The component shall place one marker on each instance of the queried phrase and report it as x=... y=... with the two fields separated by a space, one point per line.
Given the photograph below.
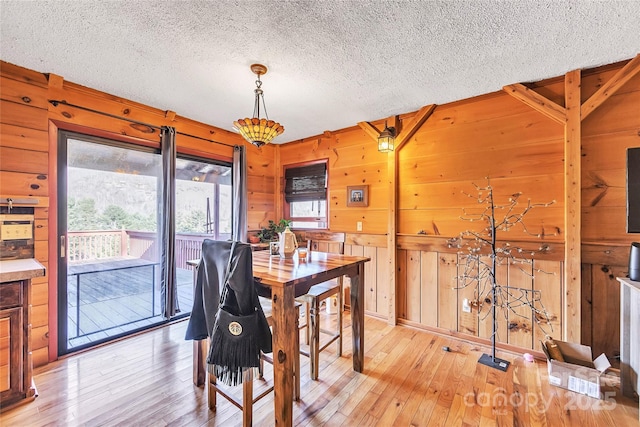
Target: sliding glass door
x=109 y=240
x=109 y=282
x=203 y=210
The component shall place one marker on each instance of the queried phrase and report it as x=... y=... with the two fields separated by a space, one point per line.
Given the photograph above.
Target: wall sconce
x=386 y=139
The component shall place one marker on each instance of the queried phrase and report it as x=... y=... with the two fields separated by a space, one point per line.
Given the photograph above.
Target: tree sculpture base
x=492 y=362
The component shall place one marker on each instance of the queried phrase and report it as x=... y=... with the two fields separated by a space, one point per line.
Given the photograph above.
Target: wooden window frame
x=287 y=206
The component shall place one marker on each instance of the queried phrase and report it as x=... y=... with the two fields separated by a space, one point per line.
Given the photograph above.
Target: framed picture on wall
x=358 y=195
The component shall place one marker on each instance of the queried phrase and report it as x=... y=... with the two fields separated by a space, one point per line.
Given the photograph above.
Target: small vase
x=288 y=243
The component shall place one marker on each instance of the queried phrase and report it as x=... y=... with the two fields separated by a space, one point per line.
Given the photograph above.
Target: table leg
x=357 y=317
x=284 y=318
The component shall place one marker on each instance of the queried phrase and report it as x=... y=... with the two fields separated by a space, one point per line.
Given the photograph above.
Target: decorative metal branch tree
x=478 y=245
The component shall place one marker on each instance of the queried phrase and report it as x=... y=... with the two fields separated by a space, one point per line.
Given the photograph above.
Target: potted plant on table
x=270 y=232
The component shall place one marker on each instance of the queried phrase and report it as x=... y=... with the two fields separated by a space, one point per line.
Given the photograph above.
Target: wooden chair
x=321 y=241
x=248 y=399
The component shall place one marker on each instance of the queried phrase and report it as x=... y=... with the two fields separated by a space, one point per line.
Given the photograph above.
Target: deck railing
x=105 y=244
x=94 y=245
x=105 y=267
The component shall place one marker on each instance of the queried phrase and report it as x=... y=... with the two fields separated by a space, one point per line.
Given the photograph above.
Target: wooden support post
x=572 y=208
x=392 y=176
x=571 y=116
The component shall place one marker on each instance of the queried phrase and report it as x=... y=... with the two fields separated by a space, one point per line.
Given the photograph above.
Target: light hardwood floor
x=408 y=380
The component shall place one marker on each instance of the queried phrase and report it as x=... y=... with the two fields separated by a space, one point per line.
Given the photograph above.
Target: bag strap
x=226 y=288
x=233 y=247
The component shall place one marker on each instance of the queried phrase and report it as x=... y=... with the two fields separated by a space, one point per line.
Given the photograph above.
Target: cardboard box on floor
x=579 y=372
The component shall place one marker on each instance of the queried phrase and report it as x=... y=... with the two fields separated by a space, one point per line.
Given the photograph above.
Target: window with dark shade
x=306 y=195
x=306 y=183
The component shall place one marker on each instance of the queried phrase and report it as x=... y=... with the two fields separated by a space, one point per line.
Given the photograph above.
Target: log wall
x=28 y=132
x=24 y=170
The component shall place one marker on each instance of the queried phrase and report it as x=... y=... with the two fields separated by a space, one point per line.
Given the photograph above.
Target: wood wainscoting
x=427 y=299
x=601 y=264
x=376 y=272
x=429 y=294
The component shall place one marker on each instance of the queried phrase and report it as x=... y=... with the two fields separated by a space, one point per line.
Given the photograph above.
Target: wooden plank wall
x=462 y=143
x=28 y=127
x=353 y=160
x=606 y=135
x=520 y=150
x=376 y=272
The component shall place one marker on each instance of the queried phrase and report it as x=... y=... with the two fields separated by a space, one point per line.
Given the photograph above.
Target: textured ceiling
x=331 y=63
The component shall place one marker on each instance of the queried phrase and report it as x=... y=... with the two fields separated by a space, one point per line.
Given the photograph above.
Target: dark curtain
x=168 y=288
x=239 y=219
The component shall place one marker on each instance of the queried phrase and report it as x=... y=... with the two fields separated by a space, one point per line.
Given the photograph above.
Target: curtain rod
x=205 y=139
x=55 y=103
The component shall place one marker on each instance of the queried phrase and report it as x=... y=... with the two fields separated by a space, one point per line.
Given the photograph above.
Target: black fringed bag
x=236 y=340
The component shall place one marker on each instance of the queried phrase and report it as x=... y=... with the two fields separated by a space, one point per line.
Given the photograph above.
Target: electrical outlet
x=359 y=226
x=466 y=306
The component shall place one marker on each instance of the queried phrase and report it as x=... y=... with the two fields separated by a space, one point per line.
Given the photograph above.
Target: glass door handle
x=63 y=246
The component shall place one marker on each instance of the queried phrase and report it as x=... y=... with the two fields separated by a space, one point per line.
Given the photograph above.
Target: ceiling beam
x=537 y=102
x=623 y=75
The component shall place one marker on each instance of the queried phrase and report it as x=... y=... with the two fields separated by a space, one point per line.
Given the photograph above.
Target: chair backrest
x=326 y=241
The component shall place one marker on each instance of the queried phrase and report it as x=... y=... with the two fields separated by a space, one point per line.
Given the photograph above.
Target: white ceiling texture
x=331 y=63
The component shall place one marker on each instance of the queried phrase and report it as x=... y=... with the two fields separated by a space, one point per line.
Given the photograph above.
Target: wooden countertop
x=20 y=269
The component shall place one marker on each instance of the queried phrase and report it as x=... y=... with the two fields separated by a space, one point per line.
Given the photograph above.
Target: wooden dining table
x=287 y=279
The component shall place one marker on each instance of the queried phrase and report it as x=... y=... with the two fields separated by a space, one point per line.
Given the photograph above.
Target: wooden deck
x=146 y=380
x=117 y=296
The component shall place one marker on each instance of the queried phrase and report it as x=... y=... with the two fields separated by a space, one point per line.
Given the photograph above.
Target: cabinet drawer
x=10 y=294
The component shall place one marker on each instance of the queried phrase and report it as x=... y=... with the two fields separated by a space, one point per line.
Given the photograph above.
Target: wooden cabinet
x=15 y=351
